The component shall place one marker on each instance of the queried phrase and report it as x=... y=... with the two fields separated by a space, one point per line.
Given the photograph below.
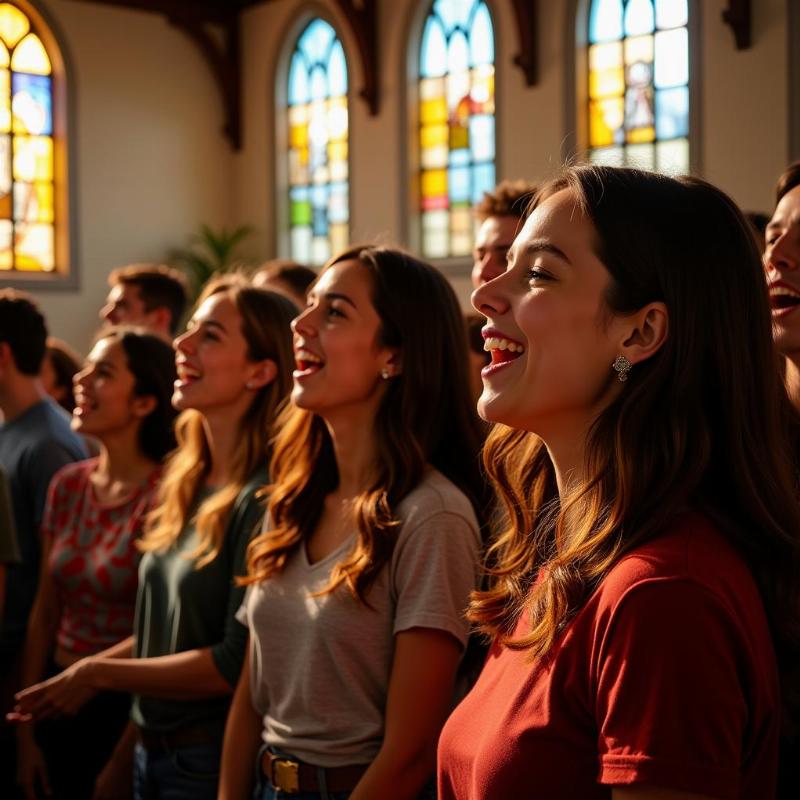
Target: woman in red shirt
x=93 y=519
x=644 y=607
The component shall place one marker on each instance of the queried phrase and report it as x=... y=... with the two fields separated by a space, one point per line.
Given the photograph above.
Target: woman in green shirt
x=234 y=370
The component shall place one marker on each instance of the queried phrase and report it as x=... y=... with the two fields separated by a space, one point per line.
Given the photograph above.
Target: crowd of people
x=277 y=553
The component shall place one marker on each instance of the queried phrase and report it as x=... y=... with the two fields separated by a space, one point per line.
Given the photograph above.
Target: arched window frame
x=282 y=185
x=576 y=79
x=65 y=276
x=410 y=156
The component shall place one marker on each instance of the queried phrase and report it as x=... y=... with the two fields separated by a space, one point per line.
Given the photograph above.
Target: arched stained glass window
x=639 y=83
x=319 y=210
x=456 y=115
x=27 y=216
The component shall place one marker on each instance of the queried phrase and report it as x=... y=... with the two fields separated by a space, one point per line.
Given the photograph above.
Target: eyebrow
x=545 y=246
x=339 y=296
x=105 y=363
x=209 y=323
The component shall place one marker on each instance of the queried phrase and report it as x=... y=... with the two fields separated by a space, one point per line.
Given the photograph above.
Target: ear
x=394 y=364
x=261 y=374
x=143 y=405
x=646 y=332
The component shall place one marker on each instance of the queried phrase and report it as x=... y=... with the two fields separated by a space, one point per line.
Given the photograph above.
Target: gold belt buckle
x=285 y=775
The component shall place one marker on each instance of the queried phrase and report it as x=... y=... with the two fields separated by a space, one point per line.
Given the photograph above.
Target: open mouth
x=502 y=350
x=186 y=375
x=307 y=363
x=83 y=406
x=783 y=299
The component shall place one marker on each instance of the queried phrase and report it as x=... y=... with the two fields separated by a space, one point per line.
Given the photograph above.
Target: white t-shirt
x=320 y=666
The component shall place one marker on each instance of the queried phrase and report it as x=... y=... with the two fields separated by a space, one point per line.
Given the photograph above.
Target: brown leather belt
x=292 y=776
x=171 y=740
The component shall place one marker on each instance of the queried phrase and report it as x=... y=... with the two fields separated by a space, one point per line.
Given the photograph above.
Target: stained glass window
x=456 y=115
x=639 y=84
x=319 y=210
x=27 y=219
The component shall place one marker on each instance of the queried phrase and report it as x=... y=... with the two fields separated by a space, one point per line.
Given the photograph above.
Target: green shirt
x=180 y=607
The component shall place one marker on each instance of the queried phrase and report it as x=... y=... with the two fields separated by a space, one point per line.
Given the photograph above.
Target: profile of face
x=338 y=354
x=492 y=243
x=215 y=372
x=105 y=401
x=782 y=264
x=550 y=333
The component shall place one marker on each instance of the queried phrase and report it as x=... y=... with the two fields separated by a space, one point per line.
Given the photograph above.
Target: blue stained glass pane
x=298 y=81
x=337 y=70
x=481 y=137
x=639 y=17
x=33 y=102
x=316 y=40
x=319 y=84
x=672 y=113
x=338 y=210
x=481 y=43
x=458 y=184
x=454 y=13
x=319 y=196
x=433 y=53
x=671 y=58
x=319 y=221
x=459 y=157
x=458 y=53
x=605 y=21
x=671 y=13
x=298 y=194
x=482 y=181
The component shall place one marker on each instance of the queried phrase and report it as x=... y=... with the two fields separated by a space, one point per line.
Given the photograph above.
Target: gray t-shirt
x=180 y=607
x=320 y=666
x=33 y=447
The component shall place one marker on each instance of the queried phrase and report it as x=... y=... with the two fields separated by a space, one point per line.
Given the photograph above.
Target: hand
x=31 y=769
x=115 y=782
x=64 y=693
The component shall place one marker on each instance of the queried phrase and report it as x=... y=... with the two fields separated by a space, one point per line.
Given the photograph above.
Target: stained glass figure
x=27 y=152
x=319 y=213
x=457 y=123
x=638 y=84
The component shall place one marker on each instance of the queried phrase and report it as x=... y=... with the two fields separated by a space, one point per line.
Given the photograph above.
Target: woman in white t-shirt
x=358 y=584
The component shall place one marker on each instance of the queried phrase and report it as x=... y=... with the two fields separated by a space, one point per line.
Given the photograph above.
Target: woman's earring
x=385 y=374
x=622 y=367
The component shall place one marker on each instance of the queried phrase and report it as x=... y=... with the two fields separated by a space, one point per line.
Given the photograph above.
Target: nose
x=303 y=323
x=80 y=378
x=782 y=255
x=182 y=342
x=107 y=313
x=490 y=298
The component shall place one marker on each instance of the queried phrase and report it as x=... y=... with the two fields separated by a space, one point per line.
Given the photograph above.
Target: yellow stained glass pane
x=433 y=135
x=337 y=151
x=605 y=118
x=6 y=244
x=33 y=158
x=34 y=247
x=459 y=137
x=338 y=170
x=433 y=111
x=30 y=56
x=605 y=56
x=298 y=115
x=5 y=101
x=4 y=57
x=434 y=183
x=639 y=135
x=606 y=82
x=431 y=88
x=298 y=136
x=639 y=48
x=33 y=202
x=339 y=236
x=434 y=157
x=5 y=206
x=13 y=24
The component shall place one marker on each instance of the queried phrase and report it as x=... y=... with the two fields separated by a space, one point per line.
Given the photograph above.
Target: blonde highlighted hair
x=266 y=318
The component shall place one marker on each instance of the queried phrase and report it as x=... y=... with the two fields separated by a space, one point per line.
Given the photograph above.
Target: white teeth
x=307 y=355
x=496 y=343
x=186 y=372
x=782 y=290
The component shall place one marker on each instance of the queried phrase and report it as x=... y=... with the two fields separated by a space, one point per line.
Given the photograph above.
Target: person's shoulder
x=71 y=477
x=691 y=549
x=435 y=495
x=52 y=426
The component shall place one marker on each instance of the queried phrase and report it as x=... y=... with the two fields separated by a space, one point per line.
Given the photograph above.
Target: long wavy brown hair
x=703 y=424
x=425 y=417
x=266 y=319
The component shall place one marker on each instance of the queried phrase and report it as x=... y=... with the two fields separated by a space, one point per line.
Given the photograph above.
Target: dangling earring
x=249 y=385
x=385 y=374
x=622 y=367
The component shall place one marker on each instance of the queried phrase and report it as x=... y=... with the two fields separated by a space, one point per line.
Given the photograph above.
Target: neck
x=222 y=435
x=121 y=460
x=20 y=393
x=355 y=453
x=792 y=377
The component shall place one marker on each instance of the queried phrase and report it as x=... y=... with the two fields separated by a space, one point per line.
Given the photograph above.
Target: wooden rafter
x=739 y=16
x=362 y=17
x=526 y=13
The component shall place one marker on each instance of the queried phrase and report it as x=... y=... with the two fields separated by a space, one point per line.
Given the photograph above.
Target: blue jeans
x=185 y=773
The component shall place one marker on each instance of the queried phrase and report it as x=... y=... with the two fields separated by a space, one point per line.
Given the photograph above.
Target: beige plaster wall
x=150 y=161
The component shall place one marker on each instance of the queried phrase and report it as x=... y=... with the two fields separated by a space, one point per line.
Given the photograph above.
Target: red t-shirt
x=665 y=677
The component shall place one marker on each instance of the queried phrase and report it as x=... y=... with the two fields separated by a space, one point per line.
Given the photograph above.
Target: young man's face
x=124 y=306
